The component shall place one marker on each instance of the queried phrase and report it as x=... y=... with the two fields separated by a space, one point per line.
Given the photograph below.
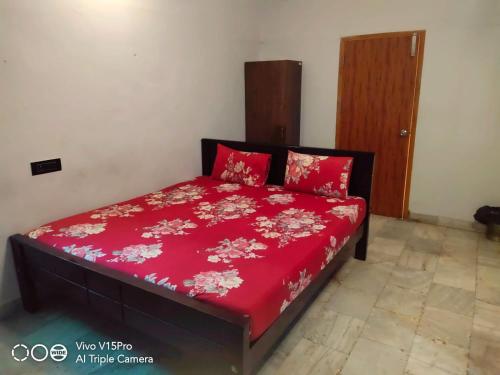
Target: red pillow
x=249 y=168
x=322 y=175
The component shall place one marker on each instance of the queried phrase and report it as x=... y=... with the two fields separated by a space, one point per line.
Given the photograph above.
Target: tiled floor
x=427 y=301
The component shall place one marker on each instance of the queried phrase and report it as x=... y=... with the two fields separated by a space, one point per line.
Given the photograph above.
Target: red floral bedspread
x=250 y=250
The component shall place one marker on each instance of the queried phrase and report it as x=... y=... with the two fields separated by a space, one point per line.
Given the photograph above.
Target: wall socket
x=45 y=166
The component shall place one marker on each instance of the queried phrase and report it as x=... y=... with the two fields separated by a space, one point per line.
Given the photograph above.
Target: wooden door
x=378 y=90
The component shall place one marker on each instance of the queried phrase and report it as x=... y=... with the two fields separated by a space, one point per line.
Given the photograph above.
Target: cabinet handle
x=283 y=133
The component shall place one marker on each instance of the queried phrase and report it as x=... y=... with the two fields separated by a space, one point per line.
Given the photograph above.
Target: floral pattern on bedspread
x=40 y=231
x=295 y=288
x=252 y=250
x=229 y=208
x=240 y=248
x=214 y=282
x=176 y=227
x=289 y=225
x=81 y=230
x=280 y=199
x=164 y=282
x=116 y=210
x=228 y=188
x=180 y=195
x=137 y=253
x=332 y=249
x=351 y=212
x=85 y=252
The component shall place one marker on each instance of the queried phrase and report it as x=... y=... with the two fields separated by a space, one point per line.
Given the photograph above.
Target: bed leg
x=362 y=245
x=26 y=286
x=361 y=249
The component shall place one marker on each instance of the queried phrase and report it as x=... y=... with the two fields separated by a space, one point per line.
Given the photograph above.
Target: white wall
x=121 y=90
x=457 y=152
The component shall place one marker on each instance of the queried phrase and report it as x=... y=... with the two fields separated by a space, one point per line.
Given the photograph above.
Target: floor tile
x=466 y=236
x=328 y=291
x=425 y=245
x=456 y=300
x=378 y=358
x=485 y=351
x=376 y=223
x=488 y=261
x=416 y=367
x=457 y=224
x=344 y=334
x=428 y=231
x=302 y=359
x=452 y=273
x=384 y=250
x=488 y=295
x=486 y=333
x=352 y=302
x=445 y=326
x=292 y=338
x=334 y=330
x=317 y=326
x=390 y=328
x=464 y=255
x=330 y=364
x=346 y=269
x=273 y=364
x=487 y=315
x=488 y=288
x=402 y=301
x=489 y=249
x=461 y=234
x=369 y=278
x=468 y=241
x=417 y=281
x=417 y=260
x=436 y=353
x=397 y=229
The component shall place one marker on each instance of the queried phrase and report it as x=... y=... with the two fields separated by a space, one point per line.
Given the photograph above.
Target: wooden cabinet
x=272 y=101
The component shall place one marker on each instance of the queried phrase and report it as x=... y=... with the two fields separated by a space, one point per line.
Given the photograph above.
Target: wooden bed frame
x=190 y=325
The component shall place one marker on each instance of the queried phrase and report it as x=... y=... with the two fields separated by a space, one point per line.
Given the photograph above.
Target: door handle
x=404 y=133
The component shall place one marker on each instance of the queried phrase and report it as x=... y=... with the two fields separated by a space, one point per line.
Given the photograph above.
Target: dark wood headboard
x=362 y=169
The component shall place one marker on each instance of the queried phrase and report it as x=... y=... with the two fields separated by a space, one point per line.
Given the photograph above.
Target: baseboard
x=472 y=226
x=10 y=308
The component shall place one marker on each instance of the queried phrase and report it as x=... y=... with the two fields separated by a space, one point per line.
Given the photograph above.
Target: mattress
x=251 y=250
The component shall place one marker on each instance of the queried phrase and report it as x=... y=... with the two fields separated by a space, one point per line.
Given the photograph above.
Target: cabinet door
x=272 y=102
x=291 y=107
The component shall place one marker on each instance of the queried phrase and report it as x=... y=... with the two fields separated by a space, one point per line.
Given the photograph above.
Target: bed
x=203 y=261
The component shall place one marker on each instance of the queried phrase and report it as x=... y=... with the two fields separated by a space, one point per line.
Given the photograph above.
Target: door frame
x=419 y=54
